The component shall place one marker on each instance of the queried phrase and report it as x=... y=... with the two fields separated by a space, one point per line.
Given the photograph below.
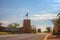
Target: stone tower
x=27 y=26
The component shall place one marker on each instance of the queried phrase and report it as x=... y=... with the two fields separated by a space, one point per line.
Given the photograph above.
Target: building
x=2 y=28
x=27 y=26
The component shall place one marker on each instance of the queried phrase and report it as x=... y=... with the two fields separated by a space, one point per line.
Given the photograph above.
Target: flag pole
x=27 y=15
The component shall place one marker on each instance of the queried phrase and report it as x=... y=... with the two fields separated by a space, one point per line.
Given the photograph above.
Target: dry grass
x=3 y=33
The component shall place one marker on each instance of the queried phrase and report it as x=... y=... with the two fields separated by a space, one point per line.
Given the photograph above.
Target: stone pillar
x=27 y=26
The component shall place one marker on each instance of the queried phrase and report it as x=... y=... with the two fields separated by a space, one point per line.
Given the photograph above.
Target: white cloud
x=43 y=16
x=55 y=5
x=56 y=0
x=6 y=22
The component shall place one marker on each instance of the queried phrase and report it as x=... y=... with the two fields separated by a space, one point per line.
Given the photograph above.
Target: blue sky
x=40 y=11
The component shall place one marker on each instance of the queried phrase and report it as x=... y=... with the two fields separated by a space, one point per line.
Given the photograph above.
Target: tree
x=39 y=30
x=48 y=29
x=12 y=27
x=56 y=22
x=15 y=26
x=33 y=29
x=56 y=29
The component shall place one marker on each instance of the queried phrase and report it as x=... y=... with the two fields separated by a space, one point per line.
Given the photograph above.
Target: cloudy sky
x=40 y=11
